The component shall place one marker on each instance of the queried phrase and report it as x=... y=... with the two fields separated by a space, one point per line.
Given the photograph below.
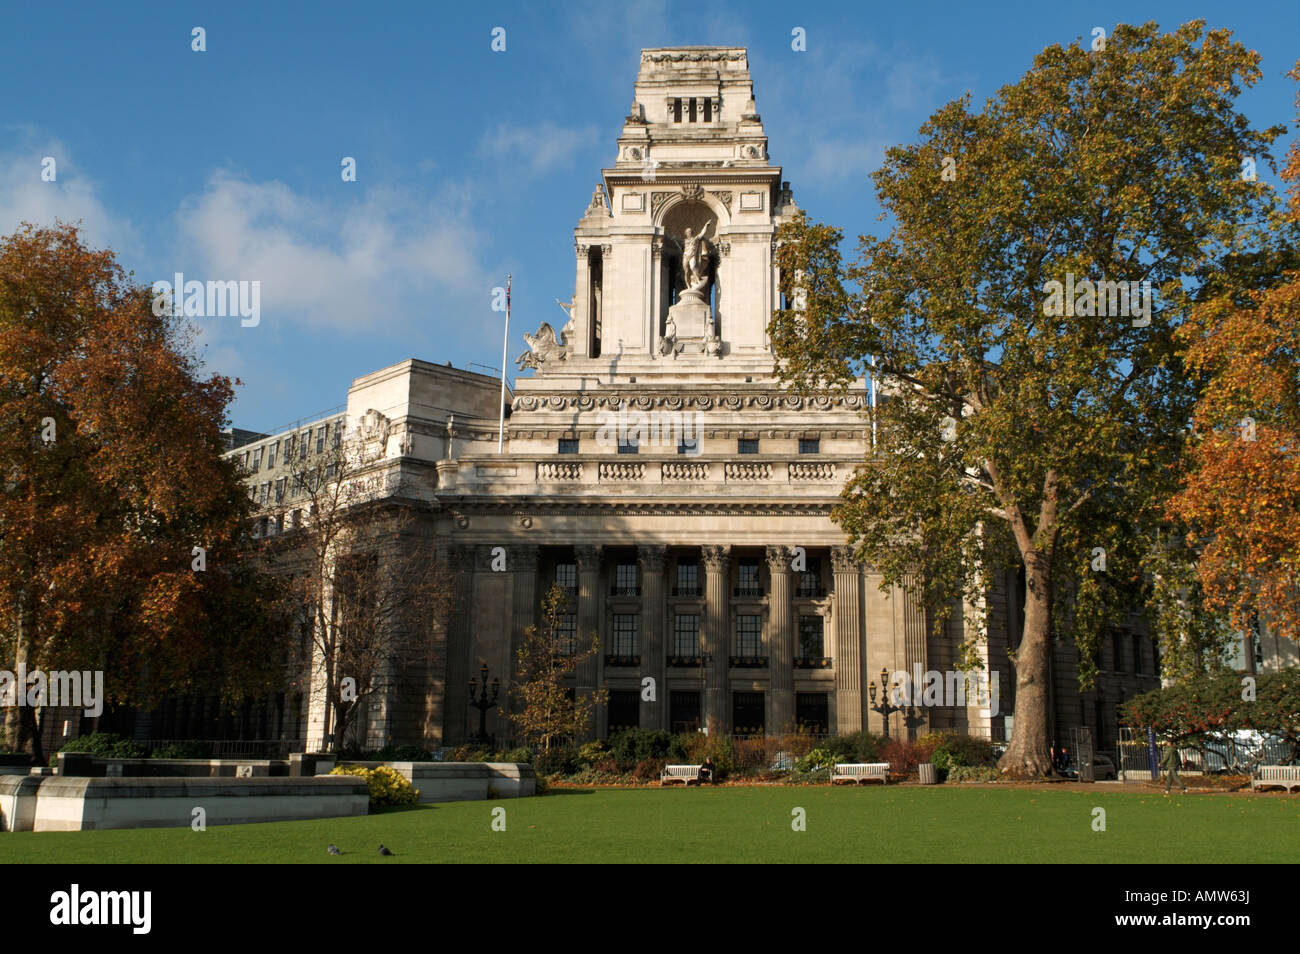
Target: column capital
x=588 y=556
x=650 y=557
x=778 y=558
x=715 y=557
x=842 y=560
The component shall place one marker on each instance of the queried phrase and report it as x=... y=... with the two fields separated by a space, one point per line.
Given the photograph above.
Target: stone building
x=652 y=466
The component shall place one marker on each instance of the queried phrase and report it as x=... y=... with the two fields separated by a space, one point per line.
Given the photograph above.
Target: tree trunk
x=1027 y=755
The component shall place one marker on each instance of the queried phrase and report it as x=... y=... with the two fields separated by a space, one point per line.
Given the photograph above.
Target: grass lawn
x=904 y=824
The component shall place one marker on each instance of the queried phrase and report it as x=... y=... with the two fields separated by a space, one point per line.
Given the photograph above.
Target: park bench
x=1284 y=776
x=861 y=772
x=686 y=774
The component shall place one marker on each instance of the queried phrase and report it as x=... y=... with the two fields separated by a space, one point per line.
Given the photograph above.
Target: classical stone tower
x=674 y=253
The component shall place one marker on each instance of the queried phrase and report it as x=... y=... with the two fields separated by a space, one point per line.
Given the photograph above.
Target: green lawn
x=902 y=824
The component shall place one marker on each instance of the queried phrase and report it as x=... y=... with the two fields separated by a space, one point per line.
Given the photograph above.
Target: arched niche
x=676 y=218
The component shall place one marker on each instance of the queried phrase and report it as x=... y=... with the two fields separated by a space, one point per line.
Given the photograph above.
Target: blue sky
x=470 y=163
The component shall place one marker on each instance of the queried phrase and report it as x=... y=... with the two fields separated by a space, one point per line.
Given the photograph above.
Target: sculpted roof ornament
x=693 y=56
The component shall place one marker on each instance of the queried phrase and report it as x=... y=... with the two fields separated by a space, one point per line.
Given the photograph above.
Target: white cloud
x=541 y=148
x=376 y=262
x=72 y=197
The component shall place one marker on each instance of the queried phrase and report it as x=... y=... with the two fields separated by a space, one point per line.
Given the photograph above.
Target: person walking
x=1170 y=764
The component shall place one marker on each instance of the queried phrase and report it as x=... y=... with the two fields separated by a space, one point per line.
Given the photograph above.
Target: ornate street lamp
x=885 y=707
x=480 y=699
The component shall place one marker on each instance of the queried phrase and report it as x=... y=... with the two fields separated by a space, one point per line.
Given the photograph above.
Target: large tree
x=1014 y=431
x=1241 y=494
x=111 y=454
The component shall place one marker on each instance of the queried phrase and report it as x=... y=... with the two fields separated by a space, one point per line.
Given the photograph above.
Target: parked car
x=1103 y=769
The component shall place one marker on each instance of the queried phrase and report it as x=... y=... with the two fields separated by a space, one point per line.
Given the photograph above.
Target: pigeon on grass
x=334 y=850
x=384 y=851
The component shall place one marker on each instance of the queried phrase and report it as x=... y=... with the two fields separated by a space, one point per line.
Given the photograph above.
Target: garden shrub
x=518 y=755
x=636 y=745
x=105 y=745
x=401 y=753
x=591 y=752
x=471 y=753
x=189 y=749
x=559 y=761
x=649 y=770
x=387 y=786
x=972 y=773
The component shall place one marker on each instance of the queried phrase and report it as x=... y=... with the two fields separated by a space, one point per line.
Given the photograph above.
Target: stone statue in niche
x=691 y=315
x=542 y=347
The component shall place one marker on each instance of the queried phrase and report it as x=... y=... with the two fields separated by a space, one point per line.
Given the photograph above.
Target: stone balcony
x=603 y=474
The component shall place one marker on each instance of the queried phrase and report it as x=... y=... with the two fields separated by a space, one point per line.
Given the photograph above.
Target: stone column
x=654 y=714
x=848 y=641
x=916 y=657
x=455 y=712
x=717 y=711
x=588 y=610
x=781 y=625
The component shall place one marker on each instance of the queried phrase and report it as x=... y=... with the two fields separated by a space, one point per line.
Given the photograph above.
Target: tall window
x=566 y=634
x=566 y=576
x=257 y=460
x=1137 y=654
x=1117 y=650
x=625 y=580
x=624 y=709
x=338 y=433
x=625 y=633
x=749 y=635
x=748 y=584
x=812 y=711
x=288 y=448
x=320 y=438
x=279 y=489
x=810 y=637
x=688 y=580
x=270 y=456
x=304 y=444
x=684 y=711
x=264 y=493
x=686 y=635
x=810 y=579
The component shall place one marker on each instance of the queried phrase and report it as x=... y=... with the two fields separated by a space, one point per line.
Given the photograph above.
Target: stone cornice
x=689 y=399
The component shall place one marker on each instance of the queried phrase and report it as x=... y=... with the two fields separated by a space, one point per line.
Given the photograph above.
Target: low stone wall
x=82 y=765
x=18 y=801
x=464 y=781
x=85 y=804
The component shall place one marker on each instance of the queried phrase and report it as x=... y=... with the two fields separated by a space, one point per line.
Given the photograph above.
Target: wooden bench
x=1283 y=776
x=686 y=774
x=860 y=773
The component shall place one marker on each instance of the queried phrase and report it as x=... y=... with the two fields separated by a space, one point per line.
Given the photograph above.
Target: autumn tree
x=1017 y=432
x=120 y=524
x=364 y=583
x=1241 y=494
x=547 y=711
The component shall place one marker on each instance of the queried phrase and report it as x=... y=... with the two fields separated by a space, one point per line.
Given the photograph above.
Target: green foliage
x=1211 y=704
x=856 y=747
x=107 y=745
x=591 y=752
x=401 y=753
x=189 y=749
x=818 y=759
x=636 y=745
x=954 y=749
x=972 y=773
x=517 y=755
x=472 y=753
x=387 y=787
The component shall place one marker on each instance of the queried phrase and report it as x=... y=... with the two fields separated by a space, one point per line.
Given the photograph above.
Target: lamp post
x=480 y=699
x=885 y=707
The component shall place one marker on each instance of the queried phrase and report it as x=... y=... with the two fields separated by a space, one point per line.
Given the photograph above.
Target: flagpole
x=505 y=344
